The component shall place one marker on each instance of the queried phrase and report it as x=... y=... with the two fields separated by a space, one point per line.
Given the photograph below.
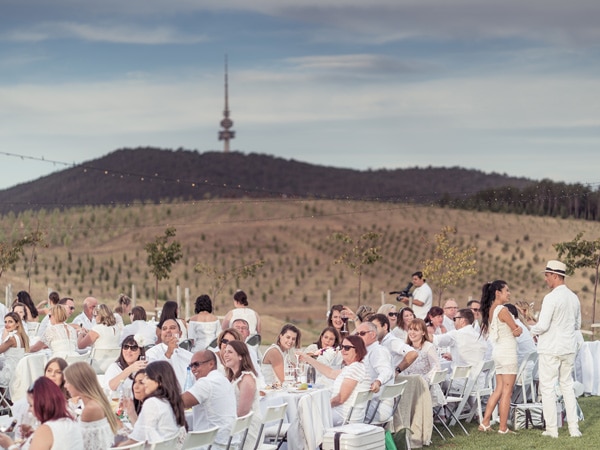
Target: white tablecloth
x=308 y=413
x=587 y=367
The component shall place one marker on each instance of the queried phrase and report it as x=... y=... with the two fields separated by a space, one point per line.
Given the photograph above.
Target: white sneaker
x=550 y=434
x=575 y=432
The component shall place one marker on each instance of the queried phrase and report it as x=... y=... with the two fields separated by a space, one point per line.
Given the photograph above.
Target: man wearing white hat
x=557 y=328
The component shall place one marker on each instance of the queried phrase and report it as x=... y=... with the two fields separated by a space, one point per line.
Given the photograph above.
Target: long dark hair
x=169 y=311
x=488 y=295
x=24 y=297
x=62 y=365
x=337 y=342
x=129 y=340
x=168 y=388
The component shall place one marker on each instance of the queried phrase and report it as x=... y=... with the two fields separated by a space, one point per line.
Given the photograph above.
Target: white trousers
x=553 y=369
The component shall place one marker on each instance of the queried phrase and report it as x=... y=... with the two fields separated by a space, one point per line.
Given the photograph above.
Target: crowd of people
x=221 y=371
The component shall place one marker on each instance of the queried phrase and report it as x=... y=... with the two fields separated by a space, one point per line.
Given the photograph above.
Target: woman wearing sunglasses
x=348 y=381
x=130 y=361
x=226 y=336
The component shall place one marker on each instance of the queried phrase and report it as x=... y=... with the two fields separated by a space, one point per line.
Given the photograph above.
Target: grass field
x=529 y=439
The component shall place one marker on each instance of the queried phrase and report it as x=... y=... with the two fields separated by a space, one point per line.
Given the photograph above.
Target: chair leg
x=453 y=416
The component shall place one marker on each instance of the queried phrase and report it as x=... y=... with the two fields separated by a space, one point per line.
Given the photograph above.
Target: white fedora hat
x=556 y=267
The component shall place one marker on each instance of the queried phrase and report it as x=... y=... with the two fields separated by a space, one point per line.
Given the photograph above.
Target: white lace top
x=97 y=435
x=61 y=339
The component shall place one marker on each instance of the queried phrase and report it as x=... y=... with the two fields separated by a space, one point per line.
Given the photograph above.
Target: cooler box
x=354 y=436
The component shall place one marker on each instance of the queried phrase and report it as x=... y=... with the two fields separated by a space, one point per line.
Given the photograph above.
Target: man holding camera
x=422 y=297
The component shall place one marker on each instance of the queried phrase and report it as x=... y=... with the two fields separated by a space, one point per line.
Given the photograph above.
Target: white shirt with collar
x=147 y=330
x=379 y=363
x=559 y=322
x=84 y=321
x=179 y=360
x=216 y=405
x=396 y=347
x=448 y=323
x=467 y=347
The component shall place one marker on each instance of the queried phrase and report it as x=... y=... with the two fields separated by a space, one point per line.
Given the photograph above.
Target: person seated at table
x=168 y=350
x=50 y=408
x=170 y=310
x=403 y=355
x=348 y=381
x=133 y=405
x=338 y=317
x=427 y=361
x=240 y=372
x=13 y=346
x=131 y=360
x=30 y=325
x=139 y=326
x=525 y=342
x=327 y=351
x=162 y=416
x=225 y=336
x=242 y=311
x=435 y=321
x=59 y=337
x=405 y=317
x=124 y=305
x=104 y=334
x=212 y=397
x=391 y=313
x=281 y=353
x=204 y=326
x=98 y=421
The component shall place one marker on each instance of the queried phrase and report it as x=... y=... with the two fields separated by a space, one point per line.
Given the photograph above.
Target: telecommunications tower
x=226 y=134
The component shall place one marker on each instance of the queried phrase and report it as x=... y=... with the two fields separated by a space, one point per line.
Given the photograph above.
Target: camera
x=403 y=293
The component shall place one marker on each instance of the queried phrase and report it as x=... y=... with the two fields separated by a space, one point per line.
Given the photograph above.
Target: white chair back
x=272 y=414
x=200 y=438
x=240 y=426
x=136 y=446
x=75 y=357
x=101 y=358
x=168 y=444
x=362 y=398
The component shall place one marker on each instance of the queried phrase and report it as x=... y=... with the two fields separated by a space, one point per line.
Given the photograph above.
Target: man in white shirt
x=557 y=328
x=169 y=350
x=403 y=355
x=422 y=296
x=211 y=398
x=475 y=306
x=450 y=310
x=467 y=347
x=86 y=318
x=378 y=363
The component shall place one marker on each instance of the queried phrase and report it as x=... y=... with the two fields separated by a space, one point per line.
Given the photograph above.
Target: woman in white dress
x=98 y=421
x=242 y=311
x=280 y=353
x=240 y=371
x=59 y=337
x=498 y=324
x=204 y=326
x=162 y=416
x=30 y=326
x=326 y=351
x=105 y=334
x=119 y=375
x=348 y=381
x=13 y=347
x=58 y=429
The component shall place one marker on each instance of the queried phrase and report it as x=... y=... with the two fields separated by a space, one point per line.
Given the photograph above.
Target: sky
x=500 y=86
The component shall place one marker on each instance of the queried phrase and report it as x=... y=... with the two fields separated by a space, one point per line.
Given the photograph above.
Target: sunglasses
x=456 y=318
x=362 y=333
x=132 y=347
x=392 y=314
x=347 y=347
x=475 y=309
x=197 y=364
x=224 y=341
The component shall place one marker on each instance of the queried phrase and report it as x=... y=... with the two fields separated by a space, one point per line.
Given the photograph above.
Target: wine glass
x=344 y=318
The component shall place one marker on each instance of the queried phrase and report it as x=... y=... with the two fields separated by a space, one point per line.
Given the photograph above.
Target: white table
x=308 y=414
x=587 y=367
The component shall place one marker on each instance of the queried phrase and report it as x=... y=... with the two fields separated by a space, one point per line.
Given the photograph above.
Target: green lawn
x=528 y=439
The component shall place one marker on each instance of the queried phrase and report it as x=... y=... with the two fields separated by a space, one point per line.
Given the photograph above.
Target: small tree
x=358 y=252
x=11 y=252
x=162 y=256
x=220 y=278
x=578 y=254
x=449 y=264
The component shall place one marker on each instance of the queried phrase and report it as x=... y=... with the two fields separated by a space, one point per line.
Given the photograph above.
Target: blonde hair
x=105 y=316
x=84 y=379
x=59 y=313
x=525 y=310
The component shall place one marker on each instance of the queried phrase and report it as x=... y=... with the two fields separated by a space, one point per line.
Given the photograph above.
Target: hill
x=99 y=251
x=153 y=175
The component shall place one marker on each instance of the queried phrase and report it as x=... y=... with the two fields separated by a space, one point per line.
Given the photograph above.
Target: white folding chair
x=101 y=358
x=460 y=381
x=168 y=444
x=72 y=358
x=29 y=368
x=136 y=446
x=240 y=426
x=362 y=398
x=438 y=378
x=274 y=434
x=200 y=438
x=525 y=380
x=481 y=390
x=391 y=392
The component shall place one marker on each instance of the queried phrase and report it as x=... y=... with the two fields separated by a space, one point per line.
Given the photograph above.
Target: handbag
x=389 y=441
x=528 y=416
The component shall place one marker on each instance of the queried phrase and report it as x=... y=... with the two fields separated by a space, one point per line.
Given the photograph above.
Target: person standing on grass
x=556 y=331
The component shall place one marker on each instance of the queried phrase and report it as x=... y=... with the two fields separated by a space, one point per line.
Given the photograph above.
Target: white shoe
x=550 y=434
x=575 y=432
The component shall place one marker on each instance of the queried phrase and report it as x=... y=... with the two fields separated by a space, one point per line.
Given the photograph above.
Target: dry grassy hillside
x=99 y=251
